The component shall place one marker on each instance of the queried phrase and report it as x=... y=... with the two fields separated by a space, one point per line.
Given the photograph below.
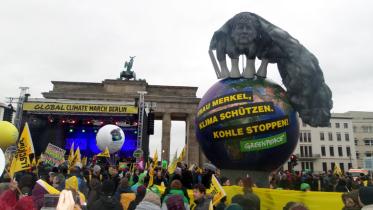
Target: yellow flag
x=33 y=163
x=50 y=189
x=71 y=154
x=21 y=160
x=26 y=135
x=337 y=170
x=151 y=177
x=217 y=190
x=77 y=158
x=155 y=158
x=171 y=168
x=105 y=153
x=84 y=161
x=182 y=155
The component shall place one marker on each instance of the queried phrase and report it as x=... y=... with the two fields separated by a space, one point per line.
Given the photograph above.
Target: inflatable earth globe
x=110 y=136
x=246 y=124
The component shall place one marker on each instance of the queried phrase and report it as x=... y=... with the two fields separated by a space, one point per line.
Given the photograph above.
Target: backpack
x=175 y=202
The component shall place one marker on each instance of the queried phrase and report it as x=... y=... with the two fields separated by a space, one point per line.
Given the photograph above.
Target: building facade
x=2 y=108
x=321 y=148
x=363 y=137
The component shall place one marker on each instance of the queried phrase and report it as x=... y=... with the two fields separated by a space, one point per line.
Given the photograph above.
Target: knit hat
x=305 y=186
x=96 y=169
x=141 y=190
x=153 y=198
x=366 y=195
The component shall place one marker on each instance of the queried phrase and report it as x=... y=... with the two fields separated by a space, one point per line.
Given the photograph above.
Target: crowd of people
x=326 y=182
x=101 y=185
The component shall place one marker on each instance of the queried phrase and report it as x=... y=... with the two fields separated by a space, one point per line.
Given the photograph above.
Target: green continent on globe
x=115 y=134
x=246 y=124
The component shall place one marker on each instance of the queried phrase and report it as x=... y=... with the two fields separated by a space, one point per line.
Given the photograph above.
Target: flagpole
x=19 y=191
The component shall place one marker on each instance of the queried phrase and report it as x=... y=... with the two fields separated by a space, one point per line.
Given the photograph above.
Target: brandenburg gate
x=173 y=103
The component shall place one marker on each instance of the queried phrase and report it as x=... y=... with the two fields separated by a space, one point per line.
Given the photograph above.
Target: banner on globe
x=54 y=155
x=81 y=108
x=240 y=121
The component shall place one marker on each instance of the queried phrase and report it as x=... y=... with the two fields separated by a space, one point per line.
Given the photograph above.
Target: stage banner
x=79 y=108
x=276 y=199
x=54 y=155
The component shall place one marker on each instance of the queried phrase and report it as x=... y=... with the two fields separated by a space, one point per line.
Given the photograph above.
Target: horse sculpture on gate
x=128 y=74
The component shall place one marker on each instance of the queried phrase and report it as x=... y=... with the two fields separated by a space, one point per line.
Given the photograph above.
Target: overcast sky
x=89 y=41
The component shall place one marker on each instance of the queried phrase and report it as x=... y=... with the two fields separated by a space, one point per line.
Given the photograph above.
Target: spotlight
x=95 y=130
x=71 y=130
x=83 y=131
x=63 y=121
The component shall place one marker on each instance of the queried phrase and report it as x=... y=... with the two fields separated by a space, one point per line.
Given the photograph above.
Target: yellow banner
x=82 y=108
x=50 y=189
x=276 y=199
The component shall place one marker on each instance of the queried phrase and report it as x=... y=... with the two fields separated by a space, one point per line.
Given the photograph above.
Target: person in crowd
x=366 y=198
x=221 y=205
x=341 y=185
x=160 y=177
x=200 y=199
x=107 y=199
x=253 y=201
x=305 y=187
x=94 y=193
x=239 y=182
x=140 y=194
x=225 y=181
x=123 y=187
x=234 y=206
x=59 y=182
x=294 y=206
x=140 y=182
x=351 y=200
x=124 y=193
x=72 y=183
x=175 y=196
x=151 y=201
x=114 y=175
x=12 y=199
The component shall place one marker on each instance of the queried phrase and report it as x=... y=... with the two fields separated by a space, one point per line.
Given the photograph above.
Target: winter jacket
x=106 y=203
x=253 y=200
x=8 y=201
x=368 y=207
x=202 y=204
x=121 y=190
x=38 y=196
x=151 y=201
x=126 y=199
x=146 y=205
